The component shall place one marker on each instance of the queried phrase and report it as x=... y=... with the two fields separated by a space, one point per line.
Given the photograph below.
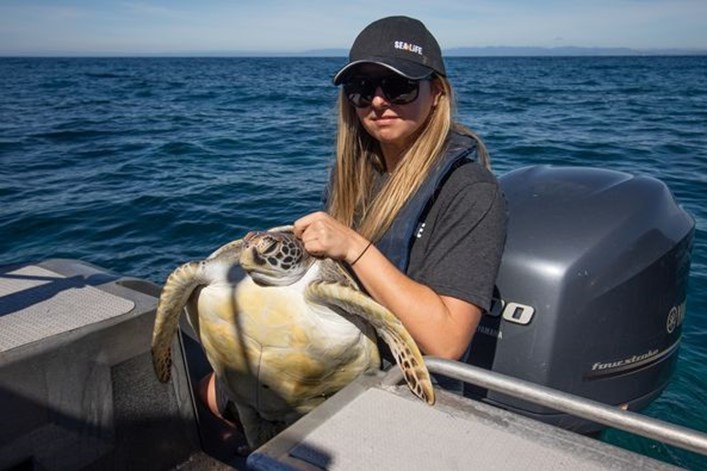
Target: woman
x=412 y=208
x=420 y=223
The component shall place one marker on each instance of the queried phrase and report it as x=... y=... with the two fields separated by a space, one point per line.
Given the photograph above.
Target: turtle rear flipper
x=388 y=327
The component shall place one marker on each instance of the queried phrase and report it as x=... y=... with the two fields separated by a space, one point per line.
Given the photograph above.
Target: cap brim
x=407 y=69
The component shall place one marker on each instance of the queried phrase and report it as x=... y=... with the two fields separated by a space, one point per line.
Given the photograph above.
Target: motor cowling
x=591 y=289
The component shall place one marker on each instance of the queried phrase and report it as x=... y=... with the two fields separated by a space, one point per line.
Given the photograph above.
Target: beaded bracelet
x=361 y=254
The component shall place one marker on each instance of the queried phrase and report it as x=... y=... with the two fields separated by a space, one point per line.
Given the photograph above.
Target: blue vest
x=397 y=241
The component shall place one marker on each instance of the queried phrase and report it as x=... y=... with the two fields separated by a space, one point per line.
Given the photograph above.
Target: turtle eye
x=271 y=247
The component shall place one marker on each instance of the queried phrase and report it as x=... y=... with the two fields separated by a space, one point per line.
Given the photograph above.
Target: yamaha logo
x=672 y=320
x=675 y=317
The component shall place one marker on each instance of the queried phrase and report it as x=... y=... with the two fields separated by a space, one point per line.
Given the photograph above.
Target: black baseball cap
x=399 y=43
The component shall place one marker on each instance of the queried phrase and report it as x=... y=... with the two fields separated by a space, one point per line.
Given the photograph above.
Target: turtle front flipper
x=387 y=325
x=176 y=291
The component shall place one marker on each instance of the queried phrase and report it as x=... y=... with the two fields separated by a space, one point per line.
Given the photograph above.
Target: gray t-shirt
x=458 y=250
x=458 y=245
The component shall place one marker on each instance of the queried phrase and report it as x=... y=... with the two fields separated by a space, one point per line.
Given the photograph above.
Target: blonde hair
x=359 y=158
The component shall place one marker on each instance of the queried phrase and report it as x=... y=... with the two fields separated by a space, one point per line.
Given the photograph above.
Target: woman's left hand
x=324 y=236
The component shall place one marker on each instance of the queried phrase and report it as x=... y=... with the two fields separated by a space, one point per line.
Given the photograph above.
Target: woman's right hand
x=324 y=236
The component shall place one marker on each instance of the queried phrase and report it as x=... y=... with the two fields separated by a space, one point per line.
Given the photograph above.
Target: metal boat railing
x=628 y=421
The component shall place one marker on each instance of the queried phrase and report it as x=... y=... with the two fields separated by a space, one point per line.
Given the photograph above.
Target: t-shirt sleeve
x=458 y=251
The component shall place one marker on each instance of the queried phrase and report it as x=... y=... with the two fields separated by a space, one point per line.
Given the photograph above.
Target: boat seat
x=77 y=388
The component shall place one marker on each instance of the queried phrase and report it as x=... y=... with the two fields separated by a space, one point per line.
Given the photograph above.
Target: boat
x=584 y=333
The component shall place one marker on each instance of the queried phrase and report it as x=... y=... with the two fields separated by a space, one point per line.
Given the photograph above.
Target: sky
x=180 y=26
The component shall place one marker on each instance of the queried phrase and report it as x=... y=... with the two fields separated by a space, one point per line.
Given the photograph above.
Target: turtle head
x=275 y=258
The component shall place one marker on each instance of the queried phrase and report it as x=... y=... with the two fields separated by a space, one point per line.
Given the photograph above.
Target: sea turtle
x=283 y=330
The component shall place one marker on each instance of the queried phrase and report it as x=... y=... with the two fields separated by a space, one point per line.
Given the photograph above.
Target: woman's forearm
x=442 y=326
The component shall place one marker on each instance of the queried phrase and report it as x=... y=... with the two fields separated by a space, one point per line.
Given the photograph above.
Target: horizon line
x=462 y=51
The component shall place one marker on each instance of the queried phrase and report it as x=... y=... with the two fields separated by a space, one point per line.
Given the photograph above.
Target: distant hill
x=566 y=51
x=534 y=51
x=501 y=51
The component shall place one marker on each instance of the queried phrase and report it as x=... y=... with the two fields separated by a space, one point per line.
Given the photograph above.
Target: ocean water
x=139 y=164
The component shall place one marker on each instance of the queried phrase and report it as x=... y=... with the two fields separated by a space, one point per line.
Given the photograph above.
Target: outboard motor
x=591 y=289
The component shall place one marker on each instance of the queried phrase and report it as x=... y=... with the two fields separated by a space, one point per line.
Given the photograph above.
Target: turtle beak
x=248 y=237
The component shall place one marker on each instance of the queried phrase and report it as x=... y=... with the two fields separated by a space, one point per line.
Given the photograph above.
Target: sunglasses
x=396 y=89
